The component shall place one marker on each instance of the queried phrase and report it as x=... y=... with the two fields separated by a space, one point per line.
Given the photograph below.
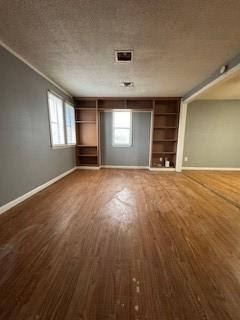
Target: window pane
x=56 y=119
x=70 y=124
x=53 y=110
x=60 y=123
x=122 y=119
x=121 y=137
x=55 y=133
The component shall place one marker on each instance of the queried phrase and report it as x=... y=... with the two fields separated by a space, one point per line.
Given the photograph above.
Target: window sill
x=63 y=146
x=121 y=145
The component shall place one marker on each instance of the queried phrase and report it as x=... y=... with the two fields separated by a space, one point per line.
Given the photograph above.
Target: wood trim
x=181 y=136
x=126 y=109
x=97 y=133
x=98 y=117
x=151 y=136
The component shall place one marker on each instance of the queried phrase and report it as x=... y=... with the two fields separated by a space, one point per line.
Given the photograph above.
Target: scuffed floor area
x=121 y=244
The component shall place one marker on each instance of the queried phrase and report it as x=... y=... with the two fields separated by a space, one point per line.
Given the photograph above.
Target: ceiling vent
x=127 y=84
x=124 y=55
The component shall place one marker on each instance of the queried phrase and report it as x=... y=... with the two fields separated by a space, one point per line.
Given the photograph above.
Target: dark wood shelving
x=86 y=146
x=89 y=165
x=166 y=114
x=87 y=155
x=165 y=140
x=89 y=109
x=165 y=131
x=162 y=127
x=125 y=103
x=85 y=121
x=86 y=115
x=164 y=152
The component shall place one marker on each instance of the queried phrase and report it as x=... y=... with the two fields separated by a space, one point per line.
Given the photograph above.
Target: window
x=122 y=129
x=70 y=124
x=56 y=119
x=62 y=129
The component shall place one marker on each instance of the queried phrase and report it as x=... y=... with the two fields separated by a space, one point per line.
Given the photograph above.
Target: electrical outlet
x=186 y=159
x=160 y=159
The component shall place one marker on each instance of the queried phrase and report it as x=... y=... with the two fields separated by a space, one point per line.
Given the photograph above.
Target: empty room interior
x=120 y=160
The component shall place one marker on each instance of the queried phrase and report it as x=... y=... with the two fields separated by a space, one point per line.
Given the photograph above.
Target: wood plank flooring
x=225 y=184
x=121 y=244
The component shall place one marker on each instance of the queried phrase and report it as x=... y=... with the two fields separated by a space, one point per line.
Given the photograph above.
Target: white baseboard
x=210 y=169
x=87 y=168
x=162 y=169
x=106 y=166
x=138 y=167
x=124 y=167
x=27 y=195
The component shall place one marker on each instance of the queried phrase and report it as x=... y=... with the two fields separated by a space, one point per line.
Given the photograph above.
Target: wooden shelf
x=89 y=165
x=163 y=127
x=85 y=121
x=165 y=140
x=167 y=106
x=85 y=103
x=86 y=113
x=164 y=130
x=112 y=109
x=89 y=109
x=87 y=146
x=87 y=155
x=125 y=103
x=166 y=120
x=164 y=152
x=166 y=114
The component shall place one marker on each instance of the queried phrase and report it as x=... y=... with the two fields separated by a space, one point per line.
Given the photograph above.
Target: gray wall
x=26 y=157
x=138 y=153
x=212 y=136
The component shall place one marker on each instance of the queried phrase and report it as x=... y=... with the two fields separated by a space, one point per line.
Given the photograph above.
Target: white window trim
x=63 y=146
x=116 y=145
x=64 y=101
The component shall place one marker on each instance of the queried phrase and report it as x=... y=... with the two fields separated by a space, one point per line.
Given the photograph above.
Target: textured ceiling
x=176 y=43
x=228 y=89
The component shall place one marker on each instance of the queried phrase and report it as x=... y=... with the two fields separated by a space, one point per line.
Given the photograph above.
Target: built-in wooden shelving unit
x=165 y=112
x=132 y=104
x=165 y=132
x=86 y=115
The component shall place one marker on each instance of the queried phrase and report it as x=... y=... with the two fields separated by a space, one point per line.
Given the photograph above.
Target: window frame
x=64 y=101
x=114 y=144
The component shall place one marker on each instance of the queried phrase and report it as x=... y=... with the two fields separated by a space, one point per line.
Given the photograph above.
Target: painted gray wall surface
x=212 y=137
x=26 y=157
x=138 y=153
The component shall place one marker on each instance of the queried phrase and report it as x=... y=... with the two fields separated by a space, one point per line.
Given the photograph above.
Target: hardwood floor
x=121 y=244
x=225 y=184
